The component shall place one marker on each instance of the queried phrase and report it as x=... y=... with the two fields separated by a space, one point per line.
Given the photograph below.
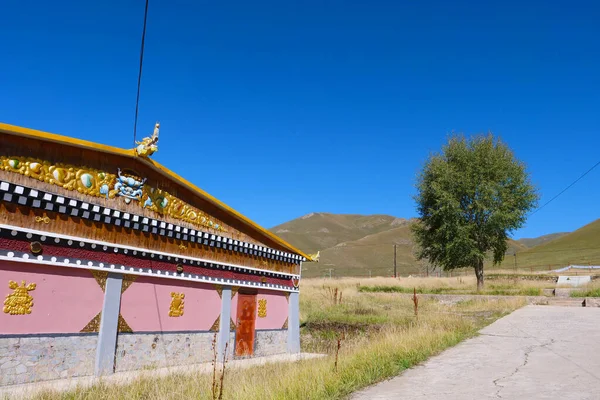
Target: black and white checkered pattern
x=12 y=193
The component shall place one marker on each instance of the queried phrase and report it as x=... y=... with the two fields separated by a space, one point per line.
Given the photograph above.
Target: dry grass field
x=379 y=336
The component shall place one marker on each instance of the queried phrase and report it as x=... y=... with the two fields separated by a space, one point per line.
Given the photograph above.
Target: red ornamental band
x=118 y=259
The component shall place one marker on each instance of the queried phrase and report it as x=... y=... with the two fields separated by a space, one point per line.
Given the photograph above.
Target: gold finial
x=148 y=145
x=315 y=257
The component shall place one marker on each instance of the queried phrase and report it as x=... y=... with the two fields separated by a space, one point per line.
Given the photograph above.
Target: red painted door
x=246 y=320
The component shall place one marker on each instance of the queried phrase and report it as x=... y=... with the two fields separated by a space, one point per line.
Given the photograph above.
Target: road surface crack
x=529 y=350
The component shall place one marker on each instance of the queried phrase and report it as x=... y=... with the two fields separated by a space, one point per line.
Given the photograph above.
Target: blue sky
x=318 y=106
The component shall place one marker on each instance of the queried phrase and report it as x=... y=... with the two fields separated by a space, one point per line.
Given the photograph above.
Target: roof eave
x=65 y=140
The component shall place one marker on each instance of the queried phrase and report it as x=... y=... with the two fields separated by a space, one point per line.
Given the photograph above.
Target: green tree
x=470 y=198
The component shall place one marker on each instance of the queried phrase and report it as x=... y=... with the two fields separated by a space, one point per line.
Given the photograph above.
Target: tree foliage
x=470 y=198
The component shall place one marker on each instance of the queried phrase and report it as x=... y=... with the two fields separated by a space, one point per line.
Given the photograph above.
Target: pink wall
x=145 y=305
x=64 y=300
x=277 y=310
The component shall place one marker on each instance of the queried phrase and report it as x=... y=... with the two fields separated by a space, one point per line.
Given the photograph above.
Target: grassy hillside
x=374 y=253
x=318 y=231
x=359 y=245
x=532 y=242
x=579 y=247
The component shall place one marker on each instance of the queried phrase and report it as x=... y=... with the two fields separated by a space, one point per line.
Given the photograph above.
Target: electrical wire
x=137 y=101
x=565 y=189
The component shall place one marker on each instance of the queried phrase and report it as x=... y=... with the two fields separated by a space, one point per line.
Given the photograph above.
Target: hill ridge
x=356 y=244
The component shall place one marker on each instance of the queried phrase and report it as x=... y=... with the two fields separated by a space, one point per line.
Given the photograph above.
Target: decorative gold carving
x=234 y=291
x=314 y=257
x=123 y=326
x=285 y=324
x=177 y=302
x=148 y=145
x=85 y=180
x=182 y=247
x=43 y=219
x=287 y=296
x=262 y=308
x=215 y=326
x=93 y=325
x=164 y=203
x=19 y=302
x=102 y=184
x=100 y=277
x=127 y=281
x=219 y=289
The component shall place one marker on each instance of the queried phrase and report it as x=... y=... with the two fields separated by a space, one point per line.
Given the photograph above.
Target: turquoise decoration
x=14 y=164
x=163 y=202
x=104 y=190
x=129 y=187
x=148 y=202
x=87 y=180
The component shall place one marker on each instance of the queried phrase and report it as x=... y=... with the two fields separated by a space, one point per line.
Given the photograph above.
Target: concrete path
x=537 y=352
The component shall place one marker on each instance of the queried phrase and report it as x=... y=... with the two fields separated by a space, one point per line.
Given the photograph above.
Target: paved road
x=537 y=352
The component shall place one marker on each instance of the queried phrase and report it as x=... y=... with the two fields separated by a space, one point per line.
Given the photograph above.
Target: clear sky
x=284 y=108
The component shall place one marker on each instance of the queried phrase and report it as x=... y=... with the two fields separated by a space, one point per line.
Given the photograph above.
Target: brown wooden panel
x=245 y=326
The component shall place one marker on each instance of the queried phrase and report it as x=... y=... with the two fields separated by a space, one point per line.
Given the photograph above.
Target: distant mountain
x=318 y=231
x=351 y=244
x=532 y=242
x=359 y=245
x=556 y=250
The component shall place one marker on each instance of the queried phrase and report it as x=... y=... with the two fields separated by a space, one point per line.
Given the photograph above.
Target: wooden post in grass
x=416 y=302
x=395 y=274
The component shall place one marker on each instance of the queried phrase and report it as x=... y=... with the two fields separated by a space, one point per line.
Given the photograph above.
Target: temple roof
x=131 y=153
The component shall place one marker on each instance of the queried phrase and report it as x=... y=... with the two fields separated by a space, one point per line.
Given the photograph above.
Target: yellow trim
x=65 y=140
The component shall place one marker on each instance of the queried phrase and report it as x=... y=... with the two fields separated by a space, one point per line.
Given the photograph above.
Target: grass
x=495 y=290
x=590 y=290
x=499 y=286
x=380 y=337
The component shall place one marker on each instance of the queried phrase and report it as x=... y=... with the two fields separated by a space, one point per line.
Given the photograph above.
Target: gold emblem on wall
x=176 y=309
x=262 y=308
x=45 y=219
x=19 y=302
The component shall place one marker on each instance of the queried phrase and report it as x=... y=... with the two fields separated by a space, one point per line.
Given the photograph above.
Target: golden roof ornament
x=315 y=257
x=148 y=145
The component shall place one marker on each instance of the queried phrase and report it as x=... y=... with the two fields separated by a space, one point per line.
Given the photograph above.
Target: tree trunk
x=479 y=274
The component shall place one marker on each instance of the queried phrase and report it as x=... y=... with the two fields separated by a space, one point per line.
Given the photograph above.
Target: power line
x=137 y=101
x=565 y=189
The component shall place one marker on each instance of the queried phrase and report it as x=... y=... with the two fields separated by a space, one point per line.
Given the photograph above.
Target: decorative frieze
x=51 y=202
x=97 y=183
x=105 y=257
